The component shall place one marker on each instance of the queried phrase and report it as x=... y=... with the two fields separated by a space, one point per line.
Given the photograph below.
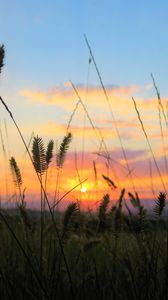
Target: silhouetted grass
x=124 y=259
x=112 y=253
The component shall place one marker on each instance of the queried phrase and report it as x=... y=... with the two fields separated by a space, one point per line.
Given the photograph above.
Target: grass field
x=108 y=255
x=111 y=253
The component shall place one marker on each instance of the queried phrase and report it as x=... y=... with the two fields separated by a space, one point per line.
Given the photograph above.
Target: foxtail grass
x=161 y=110
x=111 y=112
x=149 y=145
x=2 y=56
x=47 y=201
x=60 y=158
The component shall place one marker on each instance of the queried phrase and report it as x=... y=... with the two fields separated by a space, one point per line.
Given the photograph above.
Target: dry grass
x=110 y=254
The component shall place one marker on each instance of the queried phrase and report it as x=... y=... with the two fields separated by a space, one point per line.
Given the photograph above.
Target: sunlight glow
x=83 y=189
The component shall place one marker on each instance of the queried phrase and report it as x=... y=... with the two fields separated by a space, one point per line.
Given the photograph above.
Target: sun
x=83 y=189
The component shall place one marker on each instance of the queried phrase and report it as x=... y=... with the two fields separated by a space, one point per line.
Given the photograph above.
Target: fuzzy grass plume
x=2 y=55
x=60 y=157
x=142 y=217
x=38 y=155
x=49 y=152
x=103 y=208
x=110 y=183
x=160 y=204
x=17 y=178
x=69 y=213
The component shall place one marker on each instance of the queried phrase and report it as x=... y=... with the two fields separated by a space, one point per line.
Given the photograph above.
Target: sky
x=45 y=49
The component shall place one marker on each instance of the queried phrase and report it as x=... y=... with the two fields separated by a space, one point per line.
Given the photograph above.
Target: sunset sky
x=45 y=49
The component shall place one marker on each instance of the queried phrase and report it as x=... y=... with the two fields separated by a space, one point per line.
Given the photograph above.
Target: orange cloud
x=93 y=99
x=66 y=93
x=89 y=140
x=96 y=104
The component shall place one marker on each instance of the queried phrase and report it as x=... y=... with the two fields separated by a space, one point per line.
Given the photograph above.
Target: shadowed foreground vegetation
x=110 y=254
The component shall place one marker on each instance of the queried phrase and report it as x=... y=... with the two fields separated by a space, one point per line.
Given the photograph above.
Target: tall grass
x=118 y=252
x=110 y=254
x=111 y=112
